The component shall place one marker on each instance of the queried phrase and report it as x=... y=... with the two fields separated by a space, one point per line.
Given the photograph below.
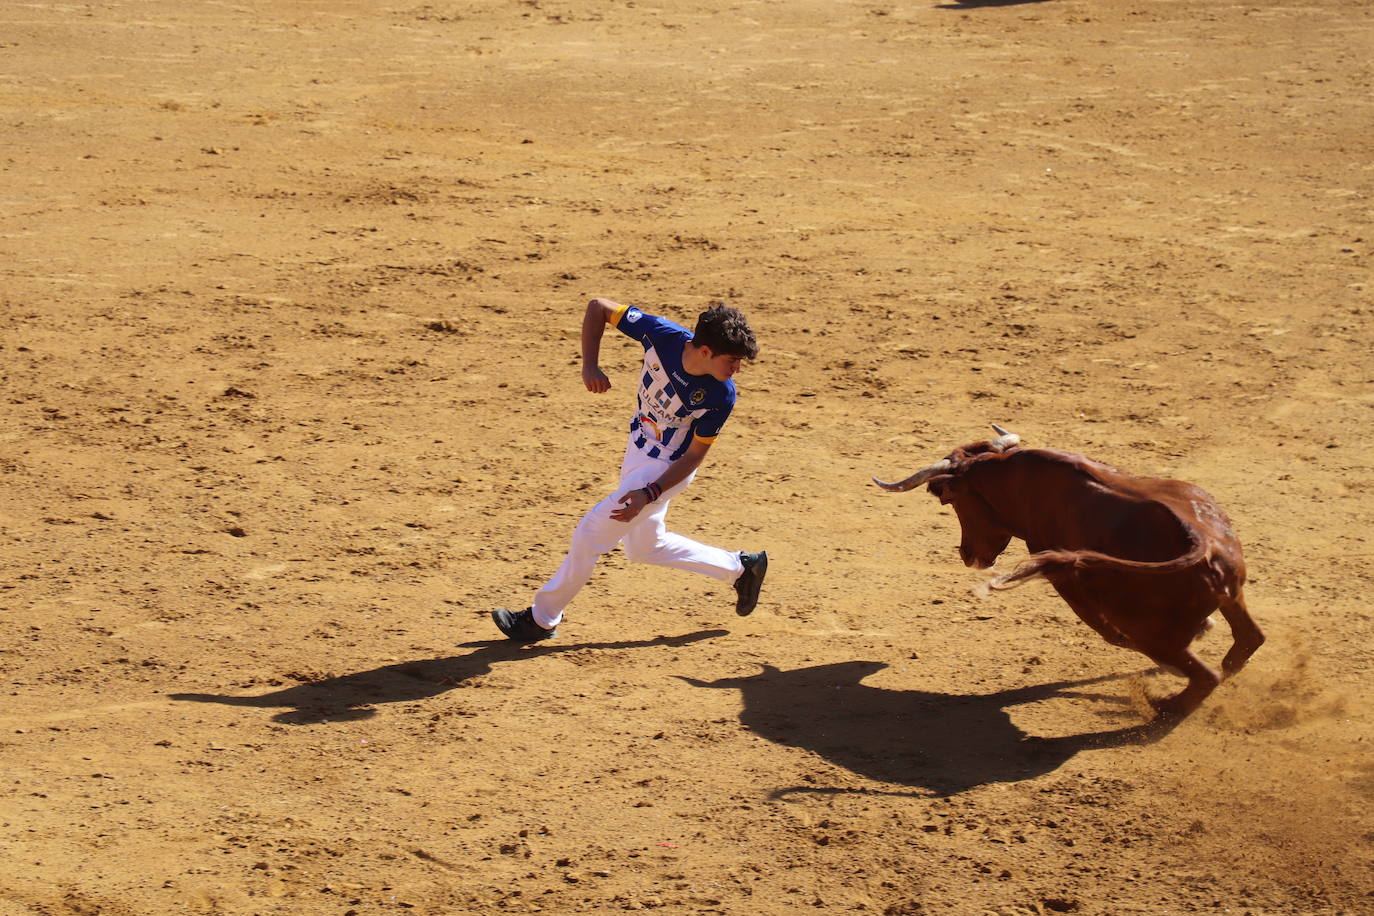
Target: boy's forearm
x=679 y=470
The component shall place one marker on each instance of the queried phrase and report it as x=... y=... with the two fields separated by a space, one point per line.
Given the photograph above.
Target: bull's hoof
x=1176 y=707
x=1167 y=713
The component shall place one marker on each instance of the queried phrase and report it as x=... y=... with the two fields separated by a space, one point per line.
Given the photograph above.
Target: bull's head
x=984 y=535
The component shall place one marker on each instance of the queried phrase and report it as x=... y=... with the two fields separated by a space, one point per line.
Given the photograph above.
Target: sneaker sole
x=496 y=619
x=753 y=600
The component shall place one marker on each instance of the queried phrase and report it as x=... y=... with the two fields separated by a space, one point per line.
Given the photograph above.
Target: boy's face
x=722 y=366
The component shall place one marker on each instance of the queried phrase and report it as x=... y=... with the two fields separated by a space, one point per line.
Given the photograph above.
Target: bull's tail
x=1048 y=561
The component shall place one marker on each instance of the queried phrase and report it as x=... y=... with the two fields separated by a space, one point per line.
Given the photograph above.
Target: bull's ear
x=943 y=489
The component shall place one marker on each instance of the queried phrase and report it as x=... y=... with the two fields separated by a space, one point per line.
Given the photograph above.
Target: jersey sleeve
x=709 y=424
x=643 y=327
x=618 y=314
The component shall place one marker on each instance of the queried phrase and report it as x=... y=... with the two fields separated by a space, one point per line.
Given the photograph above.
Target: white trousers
x=646 y=539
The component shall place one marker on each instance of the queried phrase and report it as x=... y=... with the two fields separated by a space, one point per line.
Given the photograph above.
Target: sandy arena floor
x=289 y=301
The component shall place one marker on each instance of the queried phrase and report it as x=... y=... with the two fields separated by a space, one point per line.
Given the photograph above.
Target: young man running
x=685 y=396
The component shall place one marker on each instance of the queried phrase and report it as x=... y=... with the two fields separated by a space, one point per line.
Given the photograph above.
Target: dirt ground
x=289 y=301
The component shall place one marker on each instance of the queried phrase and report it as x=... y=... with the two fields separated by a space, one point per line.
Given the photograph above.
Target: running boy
x=685 y=396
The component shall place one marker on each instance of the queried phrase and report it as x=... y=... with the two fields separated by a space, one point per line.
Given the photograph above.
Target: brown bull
x=1142 y=561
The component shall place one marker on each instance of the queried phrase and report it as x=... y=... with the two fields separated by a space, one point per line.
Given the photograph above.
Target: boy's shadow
x=353 y=696
x=942 y=743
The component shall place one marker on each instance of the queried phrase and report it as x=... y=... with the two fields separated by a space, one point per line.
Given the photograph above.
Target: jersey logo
x=633 y=315
x=698 y=396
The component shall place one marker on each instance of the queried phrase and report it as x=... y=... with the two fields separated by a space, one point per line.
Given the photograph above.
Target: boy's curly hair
x=725 y=330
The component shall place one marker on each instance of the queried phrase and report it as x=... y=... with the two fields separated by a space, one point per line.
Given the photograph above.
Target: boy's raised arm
x=599 y=312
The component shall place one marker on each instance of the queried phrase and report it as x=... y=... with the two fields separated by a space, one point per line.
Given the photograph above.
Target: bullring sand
x=289 y=297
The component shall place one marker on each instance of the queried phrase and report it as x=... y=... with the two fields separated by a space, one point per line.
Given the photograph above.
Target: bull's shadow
x=978 y=4
x=942 y=744
x=351 y=697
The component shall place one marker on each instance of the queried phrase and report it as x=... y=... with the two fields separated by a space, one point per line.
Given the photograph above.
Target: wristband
x=653 y=491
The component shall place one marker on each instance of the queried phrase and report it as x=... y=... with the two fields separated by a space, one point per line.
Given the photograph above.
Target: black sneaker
x=520 y=626
x=750 y=581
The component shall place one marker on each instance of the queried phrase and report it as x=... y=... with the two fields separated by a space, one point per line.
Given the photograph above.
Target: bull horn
x=915 y=480
x=1004 y=440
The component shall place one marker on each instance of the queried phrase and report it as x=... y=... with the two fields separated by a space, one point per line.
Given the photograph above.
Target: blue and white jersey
x=674 y=407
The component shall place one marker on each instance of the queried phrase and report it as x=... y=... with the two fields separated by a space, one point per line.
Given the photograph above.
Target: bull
x=1143 y=561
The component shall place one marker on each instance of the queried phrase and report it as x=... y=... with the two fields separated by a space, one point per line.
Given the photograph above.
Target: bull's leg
x=1202 y=679
x=1208 y=624
x=1245 y=634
